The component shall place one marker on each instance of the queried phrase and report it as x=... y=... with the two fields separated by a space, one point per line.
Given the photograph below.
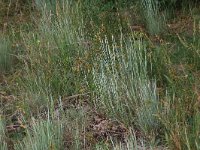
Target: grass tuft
x=3 y=144
x=5 y=54
x=154 y=19
x=43 y=135
x=124 y=88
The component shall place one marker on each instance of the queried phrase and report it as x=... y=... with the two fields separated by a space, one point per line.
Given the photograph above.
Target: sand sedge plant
x=153 y=18
x=132 y=143
x=52 y=51
x=50 y=5
x=3 y=144
x=5 y=54
x=192 y=44
x=183 y=122
x=43 y=135
x=124 y=88
x=180 y=121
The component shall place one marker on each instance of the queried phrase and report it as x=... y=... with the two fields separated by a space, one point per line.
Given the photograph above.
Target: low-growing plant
x=43 y=135
x=5 y=54
x=154 y=19
x=3 y=144
x=52 y=56
x=131 y=143
x=124 y=88
x=182 y=121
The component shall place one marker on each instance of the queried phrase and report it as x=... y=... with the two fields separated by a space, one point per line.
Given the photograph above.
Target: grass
x=154 y=19
x=51 y=53
x=5 y=54
x=3 y=136
x=43 y=135
x=86 y=78
x=125 y=90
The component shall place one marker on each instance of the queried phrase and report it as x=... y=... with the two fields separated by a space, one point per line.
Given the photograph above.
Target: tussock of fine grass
x=5 y=54
x=125 y=90
x=3 y=144
x=51 y=54
x=43 y=135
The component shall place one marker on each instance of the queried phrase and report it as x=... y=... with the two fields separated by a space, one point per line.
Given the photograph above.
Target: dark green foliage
x=176 y=4
x=5 y=54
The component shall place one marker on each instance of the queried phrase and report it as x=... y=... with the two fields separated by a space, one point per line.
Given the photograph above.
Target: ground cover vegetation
x=99 y=74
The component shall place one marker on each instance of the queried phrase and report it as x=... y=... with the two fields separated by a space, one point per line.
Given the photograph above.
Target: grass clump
x=124 y=88
x=52 y=56
x=3 y=144
x=154 y=19
x=5 y=54
x=182 y=118
x=43 y=135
